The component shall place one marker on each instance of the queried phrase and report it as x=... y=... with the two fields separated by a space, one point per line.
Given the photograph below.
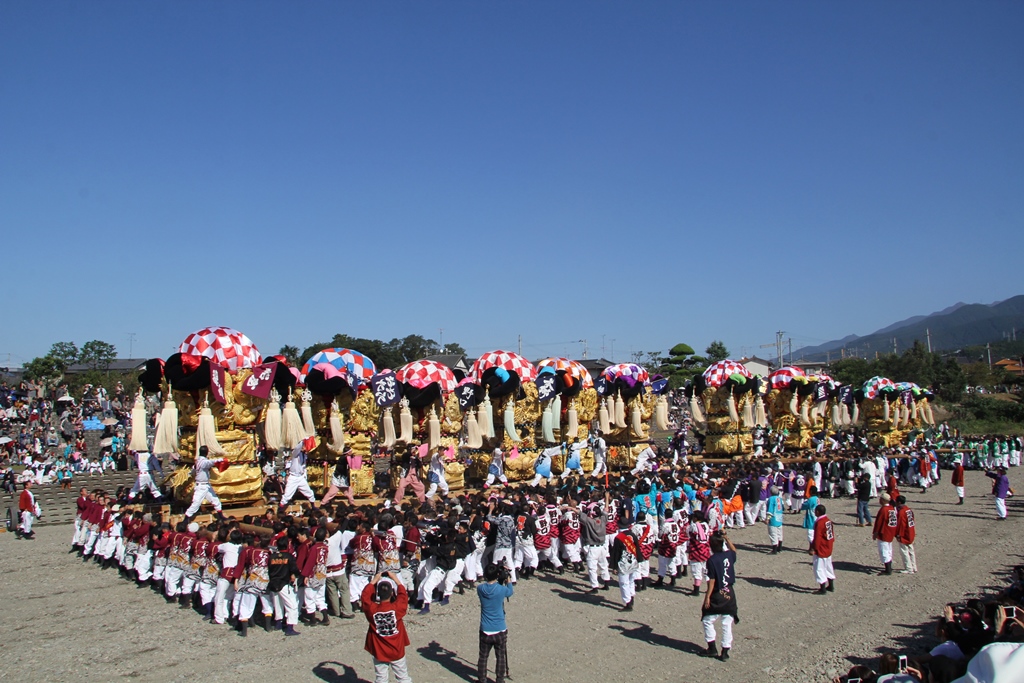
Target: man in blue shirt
x=776 y=509
x=493 y=631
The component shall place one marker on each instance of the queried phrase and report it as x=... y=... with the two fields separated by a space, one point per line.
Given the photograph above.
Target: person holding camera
x=385 y=602
x=493 y=631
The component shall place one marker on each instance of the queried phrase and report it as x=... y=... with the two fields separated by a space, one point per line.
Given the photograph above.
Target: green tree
x=716 y=351
x=291 y=353
x=98 y=355
x=453 y=349
x=65 y=353
x=45 y=369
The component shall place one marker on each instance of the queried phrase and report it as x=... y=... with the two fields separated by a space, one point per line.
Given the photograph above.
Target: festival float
x=892 y=413
x=718 y=398
x=216 y=388
x=566 y=393
x=338 y=410
x=626 y=404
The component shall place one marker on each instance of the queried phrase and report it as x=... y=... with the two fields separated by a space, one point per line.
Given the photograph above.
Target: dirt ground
x=65 y=621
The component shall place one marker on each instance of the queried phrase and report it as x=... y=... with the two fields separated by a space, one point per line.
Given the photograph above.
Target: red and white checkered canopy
x=717 y=374
x=224 y=346
x=423 y=373
x=783 y=377
x=512 y=362
x=572 y=367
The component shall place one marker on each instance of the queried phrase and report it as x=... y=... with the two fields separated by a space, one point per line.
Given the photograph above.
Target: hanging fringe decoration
x=389 y=428
x=661 y=414
x=837 y=417
x=794 y=404
x=572 y=421
x=473 y=438
x=915 y=411
x=166 y=440
x=337 y=442
x=545 y=424
x=730 y=403
x=805 y=414
x=855 y=418
x=272 y=422
x=206 y=434
x=637 y=420
x=930 y=419
x=760 y=417
x=748 y=415
x=695 y=412
x=307 y=417
x=292 y=432
x=433 y=430
x=556 y=414
x=406 y=419
x=620 y=412
x=138 y=440
x=487 y=415
x=510 y=421
x=603 y=420
x=886 y=412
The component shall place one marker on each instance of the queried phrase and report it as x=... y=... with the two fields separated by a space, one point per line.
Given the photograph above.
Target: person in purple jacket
x=1000 y=489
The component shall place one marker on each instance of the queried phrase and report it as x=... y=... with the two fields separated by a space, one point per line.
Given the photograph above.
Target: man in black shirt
x=720 y=599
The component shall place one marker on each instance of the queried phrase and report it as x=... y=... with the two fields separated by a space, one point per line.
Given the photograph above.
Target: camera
x=503 y=575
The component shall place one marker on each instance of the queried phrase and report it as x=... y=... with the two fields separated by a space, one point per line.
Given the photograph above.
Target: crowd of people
x=665 y=522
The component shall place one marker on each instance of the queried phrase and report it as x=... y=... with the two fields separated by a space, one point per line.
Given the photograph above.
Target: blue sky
x=644 y=172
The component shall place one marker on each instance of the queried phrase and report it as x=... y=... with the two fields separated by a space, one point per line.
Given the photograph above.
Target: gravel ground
x=63 y=620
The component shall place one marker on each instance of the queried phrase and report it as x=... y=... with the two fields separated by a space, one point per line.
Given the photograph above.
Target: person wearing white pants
x=600 y=455
x=225 y=582
x=297 y=481
x=203 y=490
x=626 y=557
x=720 y=597
x=28 y=509
x=435 y=474
x=144 y=480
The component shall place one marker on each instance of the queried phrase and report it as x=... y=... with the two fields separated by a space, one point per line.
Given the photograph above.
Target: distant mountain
x=951 y=328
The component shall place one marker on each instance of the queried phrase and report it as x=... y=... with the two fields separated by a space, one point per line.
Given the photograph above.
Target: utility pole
x=790 y=342
x=602 y=347
x=131 y=344
x=928 y=335
x=440 y=338
x=585 y=347
x=988 y=347
x=894 y=352
x=520 y=345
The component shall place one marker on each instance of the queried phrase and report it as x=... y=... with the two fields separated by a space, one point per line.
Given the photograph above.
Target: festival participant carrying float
x=726 y=389
x=626 y=406
x=566 y=391
x=219 y=386
x=507 y=415
x=429 y=415
x=341 y=414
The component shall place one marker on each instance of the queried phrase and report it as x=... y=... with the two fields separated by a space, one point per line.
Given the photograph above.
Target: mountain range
x=950 y=329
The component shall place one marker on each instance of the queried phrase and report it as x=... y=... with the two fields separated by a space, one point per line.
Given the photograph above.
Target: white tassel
x=661 y=414
x=510 y=421
x=433 y=430
x=620 y=412
x=603 y=420
x=760 y=417
x=389 y=428
x=487 y=415
x=473 y=437
x=138 y=441
x=805 y=414
x=307 y=419
x=572 y=421
x=730 y=403
x=695 y=412
x=292 y=432
x=206 y=434
x=637 y=419
x=855 y=418
x=556 y=413
x=930 y=419
x=545 y=424
x=794 y=404
x=886 y=412
x=337 y=442
x=272 y=423
x=406 y=419
x=748 y=415
x=915 y=411
x=166 y=440
x=837 y=417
